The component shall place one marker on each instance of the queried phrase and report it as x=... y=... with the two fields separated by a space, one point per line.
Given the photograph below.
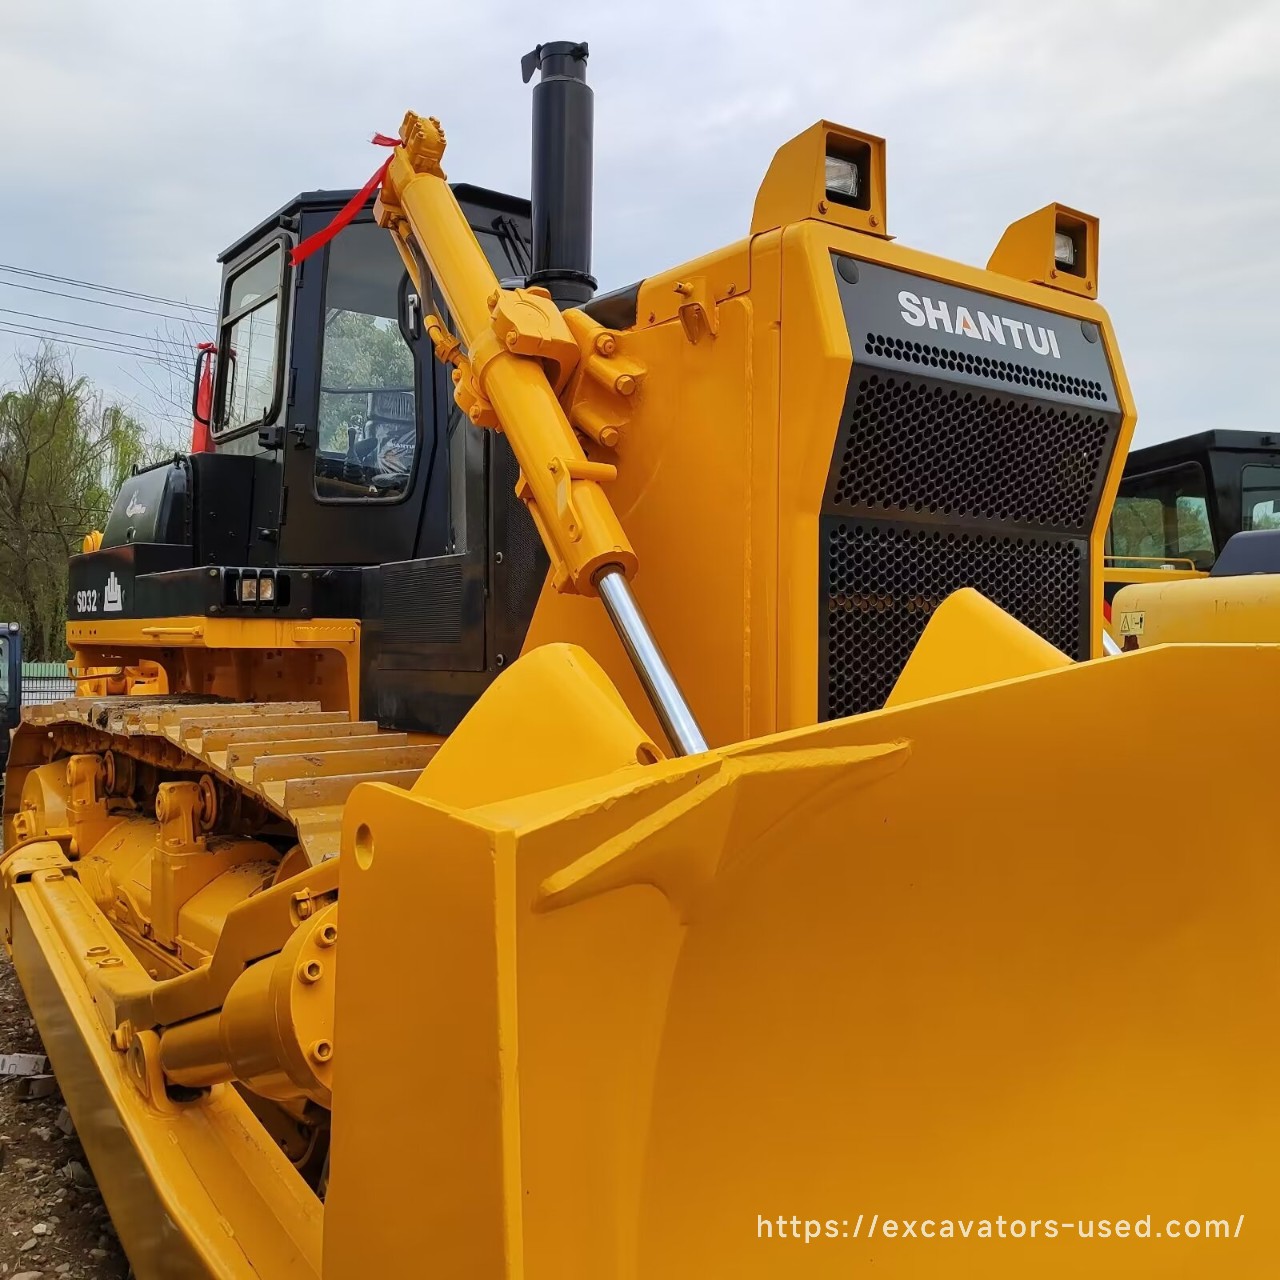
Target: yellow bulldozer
x=683 y=708
x=1203 y=506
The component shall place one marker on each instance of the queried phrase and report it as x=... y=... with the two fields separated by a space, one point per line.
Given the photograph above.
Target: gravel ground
x=52 y=1219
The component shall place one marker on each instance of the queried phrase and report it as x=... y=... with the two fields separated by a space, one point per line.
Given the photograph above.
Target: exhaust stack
x=563 y=143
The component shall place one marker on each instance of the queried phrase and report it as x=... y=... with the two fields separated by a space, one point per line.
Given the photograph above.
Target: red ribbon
x=300 y=252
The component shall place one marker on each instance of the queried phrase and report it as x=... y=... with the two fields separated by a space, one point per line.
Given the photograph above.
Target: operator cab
x=342 y=481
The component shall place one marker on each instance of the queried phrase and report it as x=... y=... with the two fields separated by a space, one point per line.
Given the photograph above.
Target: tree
x=64 y=452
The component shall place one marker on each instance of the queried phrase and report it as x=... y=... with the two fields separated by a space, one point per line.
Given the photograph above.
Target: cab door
x=359 y=443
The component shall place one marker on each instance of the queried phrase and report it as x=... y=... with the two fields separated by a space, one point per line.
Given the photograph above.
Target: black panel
x=432 y=614
x=882 y=580
x=150 y=580
x=913 y=321
x=616 y=309
x=101 y=584
x=151 y=506
x=222 y=501
x=520 y=567
x=435 y=637
x=959 y=462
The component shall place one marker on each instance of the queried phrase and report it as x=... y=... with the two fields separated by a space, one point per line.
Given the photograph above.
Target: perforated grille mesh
x=980 y=366
x=884 y=581
x=917 y=445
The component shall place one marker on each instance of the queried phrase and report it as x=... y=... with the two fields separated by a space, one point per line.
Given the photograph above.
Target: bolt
x=684 y=288
x=609 y=436
x=1088 y=284
x=497 y=557
x=309 y=971
x=1053 y=273
x=512 y=339
x=873 y=221
x=302 y=906
x=624 y=384
x=500 y=660
x=822 y=206
x=213 y=573
x=328 y=935
x=606 y=344
x=321 y=1050
x=122 y=1037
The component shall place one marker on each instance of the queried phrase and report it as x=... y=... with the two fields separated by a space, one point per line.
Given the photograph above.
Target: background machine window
x=1164 y=514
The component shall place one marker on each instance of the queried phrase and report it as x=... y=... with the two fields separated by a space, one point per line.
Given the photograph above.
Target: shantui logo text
x=918 y=311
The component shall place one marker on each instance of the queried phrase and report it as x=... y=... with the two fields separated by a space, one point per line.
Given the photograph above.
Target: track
x=299 y=761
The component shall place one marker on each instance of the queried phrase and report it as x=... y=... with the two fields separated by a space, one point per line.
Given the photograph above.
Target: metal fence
x=46 y=682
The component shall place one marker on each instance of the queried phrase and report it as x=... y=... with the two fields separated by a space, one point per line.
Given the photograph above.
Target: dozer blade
x=999 y=964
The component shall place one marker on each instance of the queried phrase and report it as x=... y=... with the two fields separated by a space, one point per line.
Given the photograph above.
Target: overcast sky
x=139 y=137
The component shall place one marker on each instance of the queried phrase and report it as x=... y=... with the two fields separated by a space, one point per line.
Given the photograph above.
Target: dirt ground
x=52 y=1219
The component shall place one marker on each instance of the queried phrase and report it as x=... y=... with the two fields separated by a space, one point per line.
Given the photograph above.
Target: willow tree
x=63 y=454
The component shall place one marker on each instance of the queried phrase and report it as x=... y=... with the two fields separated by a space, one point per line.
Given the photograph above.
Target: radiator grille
x=883 y=582
x=923 y=446
x=1025 y=375
x=962 y=459
x=422 y=603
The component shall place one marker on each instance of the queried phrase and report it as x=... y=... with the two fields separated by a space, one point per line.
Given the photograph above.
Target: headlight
x=266 y=589
x=247 y=590
x=842 y=177
x=1064 y=249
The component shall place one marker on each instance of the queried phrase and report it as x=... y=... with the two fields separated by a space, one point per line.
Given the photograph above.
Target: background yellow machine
x=808 y=909
x=1179 y=515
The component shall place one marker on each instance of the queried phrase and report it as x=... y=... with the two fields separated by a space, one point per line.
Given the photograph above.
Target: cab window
x=368 y=424
x=1163 y=515
x=1261 y=497
x=250 y=343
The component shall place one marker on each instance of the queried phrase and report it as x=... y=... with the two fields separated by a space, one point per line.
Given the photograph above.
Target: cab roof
x=331 y=201
x=1171 y=452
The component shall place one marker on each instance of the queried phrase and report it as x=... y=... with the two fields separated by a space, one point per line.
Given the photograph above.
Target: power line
x=39 y=330
x=103 y=288
x=102 y=302
x=149 y=355
x=80 y=324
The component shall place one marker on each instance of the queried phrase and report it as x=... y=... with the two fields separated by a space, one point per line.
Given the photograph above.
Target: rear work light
x=843 y=178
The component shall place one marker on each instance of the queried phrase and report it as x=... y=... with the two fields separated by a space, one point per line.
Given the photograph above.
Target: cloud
x=139 y=138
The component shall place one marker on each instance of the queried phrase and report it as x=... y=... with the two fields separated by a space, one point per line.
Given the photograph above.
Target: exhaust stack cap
x=563 y=143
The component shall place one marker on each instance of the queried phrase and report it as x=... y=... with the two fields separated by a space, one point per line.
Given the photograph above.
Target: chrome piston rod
x=673 y=711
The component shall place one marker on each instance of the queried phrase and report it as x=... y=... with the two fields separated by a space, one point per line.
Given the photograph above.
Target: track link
x=299 y=761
